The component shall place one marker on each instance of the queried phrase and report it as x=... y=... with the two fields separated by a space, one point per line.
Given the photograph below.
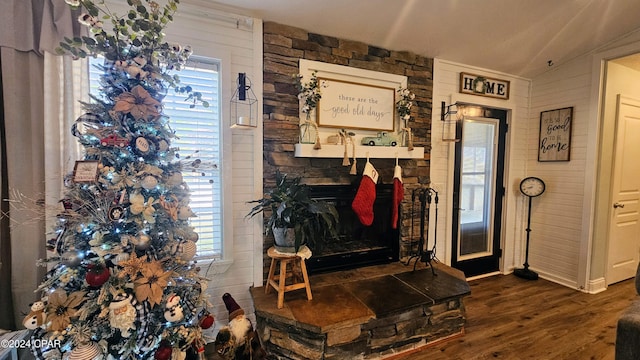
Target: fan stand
x=525 y=272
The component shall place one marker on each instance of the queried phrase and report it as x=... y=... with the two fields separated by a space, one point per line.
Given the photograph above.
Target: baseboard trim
x=557 y=279
x=471 y=278
x=596 y=286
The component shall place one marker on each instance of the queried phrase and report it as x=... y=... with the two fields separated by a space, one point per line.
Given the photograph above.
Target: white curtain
x=66 y=83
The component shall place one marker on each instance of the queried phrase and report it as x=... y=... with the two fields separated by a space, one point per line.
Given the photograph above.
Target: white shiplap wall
x=445 y=88
x=594 y=241
x=559 y=236
x=563 y=247
x=240 y=49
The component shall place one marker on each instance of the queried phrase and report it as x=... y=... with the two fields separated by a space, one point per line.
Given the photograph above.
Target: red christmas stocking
x=366 y=195
x=398 y=195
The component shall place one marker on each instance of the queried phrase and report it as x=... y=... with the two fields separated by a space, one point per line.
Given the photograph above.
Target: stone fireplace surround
x=372 y=311
x=284 y=46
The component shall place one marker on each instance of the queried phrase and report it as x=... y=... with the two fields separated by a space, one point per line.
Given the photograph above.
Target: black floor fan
x=531 y=187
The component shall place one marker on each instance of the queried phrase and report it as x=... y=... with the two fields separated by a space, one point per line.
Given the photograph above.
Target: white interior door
x=624 y=228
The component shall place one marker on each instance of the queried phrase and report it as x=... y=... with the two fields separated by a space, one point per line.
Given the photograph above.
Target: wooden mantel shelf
x=374 y=152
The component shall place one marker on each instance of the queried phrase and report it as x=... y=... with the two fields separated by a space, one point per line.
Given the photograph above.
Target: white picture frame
x=365 y=80
x=352 y=105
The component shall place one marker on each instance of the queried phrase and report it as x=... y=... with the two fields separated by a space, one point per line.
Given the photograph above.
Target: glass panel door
x=477 y=189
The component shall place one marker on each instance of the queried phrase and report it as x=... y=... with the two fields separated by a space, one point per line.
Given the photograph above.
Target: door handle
x=618 y=205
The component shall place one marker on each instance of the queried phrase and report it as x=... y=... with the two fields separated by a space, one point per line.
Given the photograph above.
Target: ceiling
x=517 y=37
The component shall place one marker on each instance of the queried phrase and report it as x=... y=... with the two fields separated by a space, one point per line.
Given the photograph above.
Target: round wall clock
x=532 y=186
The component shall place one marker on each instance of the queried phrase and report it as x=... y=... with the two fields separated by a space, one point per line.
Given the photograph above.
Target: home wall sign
x=484 y=86
x=555 y=135
x=352 y=105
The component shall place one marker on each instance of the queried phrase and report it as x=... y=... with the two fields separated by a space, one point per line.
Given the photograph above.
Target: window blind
x=198 y=134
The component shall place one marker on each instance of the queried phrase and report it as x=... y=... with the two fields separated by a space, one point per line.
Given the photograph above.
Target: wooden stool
x=279 y=281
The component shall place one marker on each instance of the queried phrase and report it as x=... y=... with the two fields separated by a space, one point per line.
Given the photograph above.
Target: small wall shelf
x=375 y=152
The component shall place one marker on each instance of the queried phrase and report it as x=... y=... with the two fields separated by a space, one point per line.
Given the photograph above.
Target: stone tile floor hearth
x=370 y=312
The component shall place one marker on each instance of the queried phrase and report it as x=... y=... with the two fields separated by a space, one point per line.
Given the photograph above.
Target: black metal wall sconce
x=244 y=105
x=450 y=124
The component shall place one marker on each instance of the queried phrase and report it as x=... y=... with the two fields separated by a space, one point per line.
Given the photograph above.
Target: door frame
x=495 y=261
x=592 y=266
x=625 y=271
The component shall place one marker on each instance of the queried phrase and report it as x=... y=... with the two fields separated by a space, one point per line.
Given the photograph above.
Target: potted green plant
x=295 y=218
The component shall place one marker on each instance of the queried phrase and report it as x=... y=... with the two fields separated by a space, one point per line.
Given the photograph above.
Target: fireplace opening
x=358 y=245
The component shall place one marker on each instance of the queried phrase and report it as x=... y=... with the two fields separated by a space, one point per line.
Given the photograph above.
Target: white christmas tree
x=123 y=283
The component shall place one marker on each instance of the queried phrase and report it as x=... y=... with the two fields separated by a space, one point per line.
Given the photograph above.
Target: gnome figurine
x=238 y=340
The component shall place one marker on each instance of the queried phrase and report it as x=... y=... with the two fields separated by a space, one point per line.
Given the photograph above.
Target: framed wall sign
x=352 y=105
x=85 y=171
x=555 y=135
x=484 y=86
x=355 y=99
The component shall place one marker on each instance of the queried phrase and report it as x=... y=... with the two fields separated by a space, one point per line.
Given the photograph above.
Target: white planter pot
x=285 y=239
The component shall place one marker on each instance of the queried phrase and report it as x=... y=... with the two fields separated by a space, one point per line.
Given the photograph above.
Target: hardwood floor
x=512 y=318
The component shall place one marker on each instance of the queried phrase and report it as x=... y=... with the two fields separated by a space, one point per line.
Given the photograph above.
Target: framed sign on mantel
x=555 y=135
x=355 y=99
x=351 y=105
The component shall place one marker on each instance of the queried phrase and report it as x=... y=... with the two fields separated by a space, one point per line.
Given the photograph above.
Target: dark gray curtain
x=6 y=303
x=27 y=29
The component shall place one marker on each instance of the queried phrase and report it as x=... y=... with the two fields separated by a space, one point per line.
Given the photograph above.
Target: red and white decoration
x=363 y=202
x=398 y=195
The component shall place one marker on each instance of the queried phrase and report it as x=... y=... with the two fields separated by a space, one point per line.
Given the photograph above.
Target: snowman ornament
x=174 y=311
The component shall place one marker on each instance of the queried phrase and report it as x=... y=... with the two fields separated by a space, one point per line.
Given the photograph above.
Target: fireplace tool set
x=425 y=197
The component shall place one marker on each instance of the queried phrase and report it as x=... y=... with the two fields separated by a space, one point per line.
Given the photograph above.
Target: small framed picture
x=555 y=135
x=85 y=171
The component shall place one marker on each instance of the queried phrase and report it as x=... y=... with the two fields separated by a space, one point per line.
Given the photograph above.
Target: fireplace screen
x=358 y=245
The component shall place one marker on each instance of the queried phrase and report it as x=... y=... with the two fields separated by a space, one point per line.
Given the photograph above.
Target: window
x=198 y=134
x=477 y=172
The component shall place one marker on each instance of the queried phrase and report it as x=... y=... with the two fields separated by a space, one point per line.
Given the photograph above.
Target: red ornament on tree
x=97 y=276
x=164 y=351
x=207 y=321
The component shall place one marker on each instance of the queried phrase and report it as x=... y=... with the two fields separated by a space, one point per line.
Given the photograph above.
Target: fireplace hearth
x=358 y=245
x=373 y=312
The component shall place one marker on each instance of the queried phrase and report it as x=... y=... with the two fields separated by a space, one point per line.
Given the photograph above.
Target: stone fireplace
x=284 y=46
x=366 y=304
